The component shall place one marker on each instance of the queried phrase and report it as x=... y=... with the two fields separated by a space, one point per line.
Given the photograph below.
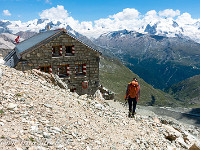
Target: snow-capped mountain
x=7 y=41
x=169 y=27
x=36 y=25
x=159 y=60
x=9 y=30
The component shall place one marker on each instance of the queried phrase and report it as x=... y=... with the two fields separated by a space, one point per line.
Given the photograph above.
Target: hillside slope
x=115 y=77
x=187 y=91
x=159 y=60
x=35 y=113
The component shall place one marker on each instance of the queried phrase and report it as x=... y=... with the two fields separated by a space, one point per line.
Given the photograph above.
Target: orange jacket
x=133 y=90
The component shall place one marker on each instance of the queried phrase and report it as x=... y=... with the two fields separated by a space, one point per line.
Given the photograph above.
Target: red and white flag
x=17 y=39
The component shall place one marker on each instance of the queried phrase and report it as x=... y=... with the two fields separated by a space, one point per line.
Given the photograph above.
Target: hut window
x=56 y=51
x=69 y=50
x=63 y=71
x=46 y=69
x=81 y=69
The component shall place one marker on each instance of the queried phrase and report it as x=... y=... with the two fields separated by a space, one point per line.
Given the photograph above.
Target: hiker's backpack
x=132 y=90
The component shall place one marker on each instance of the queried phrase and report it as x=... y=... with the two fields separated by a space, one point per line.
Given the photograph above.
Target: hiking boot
x=129 y=114
x=133 y=115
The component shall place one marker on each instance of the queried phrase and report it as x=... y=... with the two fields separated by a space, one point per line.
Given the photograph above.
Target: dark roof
x=39 y=40
x=34 y=40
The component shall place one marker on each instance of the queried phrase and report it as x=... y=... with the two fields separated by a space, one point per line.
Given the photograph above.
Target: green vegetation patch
x=115 y=77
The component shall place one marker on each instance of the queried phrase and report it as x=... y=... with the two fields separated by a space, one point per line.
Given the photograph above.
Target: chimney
x=48 y=27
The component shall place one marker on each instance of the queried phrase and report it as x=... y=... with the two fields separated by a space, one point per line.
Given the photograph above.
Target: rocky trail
x=187 y=116
x=38 y=112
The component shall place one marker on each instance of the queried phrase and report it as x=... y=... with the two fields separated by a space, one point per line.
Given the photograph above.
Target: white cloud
x=55 y=13
x=151 y=13
x=6 y=13
x=169 y=13
x=126 y=14
x=60 y=14
x=185 y=18
x=48 y=1
x=151 y=17
x=128 y=18
x=87 y=25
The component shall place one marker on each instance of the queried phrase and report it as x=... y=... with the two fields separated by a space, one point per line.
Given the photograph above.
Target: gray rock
x=46 y=135
x=49 y=142
x=37 y=148
x=48 y=106
x=1 y=72
x=22 y=99
x=98 y=106
x=59 y=146
x=138 y=141
x=57 y=129
x=11 y=106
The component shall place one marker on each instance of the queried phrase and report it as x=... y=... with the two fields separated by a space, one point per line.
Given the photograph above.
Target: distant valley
x=160 y=61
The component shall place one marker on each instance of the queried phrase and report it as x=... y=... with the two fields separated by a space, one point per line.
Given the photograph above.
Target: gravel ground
x=182 y=115
x=37 y=114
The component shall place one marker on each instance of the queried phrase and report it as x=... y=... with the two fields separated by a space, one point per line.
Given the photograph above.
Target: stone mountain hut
x=58 y=52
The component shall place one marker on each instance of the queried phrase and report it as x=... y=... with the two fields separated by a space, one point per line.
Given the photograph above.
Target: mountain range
x=162 y=58
x=148 y=24
x=161 y=61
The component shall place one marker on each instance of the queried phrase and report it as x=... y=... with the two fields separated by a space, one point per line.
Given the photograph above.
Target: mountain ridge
x=168 y=27
x=115 y=77
x=146 y=54
x=187 y=90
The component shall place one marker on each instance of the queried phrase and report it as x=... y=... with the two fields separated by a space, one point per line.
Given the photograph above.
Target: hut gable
x=60 y=53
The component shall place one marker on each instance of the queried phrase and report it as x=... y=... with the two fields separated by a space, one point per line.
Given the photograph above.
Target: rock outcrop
x=35 y=113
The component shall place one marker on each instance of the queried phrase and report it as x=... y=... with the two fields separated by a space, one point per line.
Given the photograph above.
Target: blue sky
x=90 y=10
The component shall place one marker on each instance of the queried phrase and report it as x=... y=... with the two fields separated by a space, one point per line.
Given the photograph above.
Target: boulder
x=195 y=147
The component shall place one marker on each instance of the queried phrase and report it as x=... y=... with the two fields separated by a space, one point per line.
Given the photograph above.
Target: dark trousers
x=132 y=104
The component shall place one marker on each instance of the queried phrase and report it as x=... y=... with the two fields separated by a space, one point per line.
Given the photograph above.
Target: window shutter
x=68 y=72
x=52 y=51
x=73 y=50
x=84 y=69
x=50 y=69
x=60 y=50
x=58 y=70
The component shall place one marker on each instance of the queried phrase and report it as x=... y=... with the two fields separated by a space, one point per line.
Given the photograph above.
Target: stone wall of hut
x=42 y=56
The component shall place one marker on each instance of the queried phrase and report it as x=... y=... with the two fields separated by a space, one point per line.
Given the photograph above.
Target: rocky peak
x=151 y=29
x=175 y=24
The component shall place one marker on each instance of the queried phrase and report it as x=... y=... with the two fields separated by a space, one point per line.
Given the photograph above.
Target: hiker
x=132 y=95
